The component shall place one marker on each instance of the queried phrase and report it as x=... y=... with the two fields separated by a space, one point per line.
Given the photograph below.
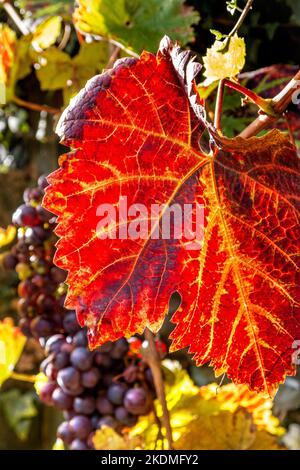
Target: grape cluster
x=41 y=289
x=107 y=387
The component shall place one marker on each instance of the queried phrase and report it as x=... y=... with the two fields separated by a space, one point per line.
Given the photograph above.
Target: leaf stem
x=279 y=104
x=241 y=19
x=35 y=106
x=23 y=377
x=264 y=105
x=154 y=362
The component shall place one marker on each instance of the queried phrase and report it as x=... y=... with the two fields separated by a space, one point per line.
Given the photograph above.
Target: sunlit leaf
x=225 y=59
x=47 y=32
x=7 y=235
x=139 y=24
x=12 y=342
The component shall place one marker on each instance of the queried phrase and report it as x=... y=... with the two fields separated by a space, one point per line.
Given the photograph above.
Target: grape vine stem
x=35 y=106
x=23 y=377
x=241 y=19
x=154 y=362
x=279 y=105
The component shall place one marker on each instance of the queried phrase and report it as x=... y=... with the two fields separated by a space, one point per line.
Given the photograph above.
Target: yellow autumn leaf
x=108 y=439
x=232 y=396
x=225 y=59
x=243 y=413
x=7 y=235
x=222 y=431
x=47 y=32
x=12 y=342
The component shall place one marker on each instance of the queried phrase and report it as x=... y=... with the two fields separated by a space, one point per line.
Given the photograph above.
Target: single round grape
x=57 y=275
x=116 y=392
x=54 y=343
x=41 y=327
x=119 y=349
x=80 y=338
x=42 y=182
x=90 y=378
x=106 y=347
x=26 y=215
x=51 y=371
x=77 y=444
x=69 y=379
x=61 y=400
x=82 y=358
x=94 y=420
x=65 y=433
x=46 y=392
x=81 y=426
x=136 y=401
x=104 y=406
x=70 y=323
x=124 y=417
x=61 y=360
x=84 y=405
x=10 y=261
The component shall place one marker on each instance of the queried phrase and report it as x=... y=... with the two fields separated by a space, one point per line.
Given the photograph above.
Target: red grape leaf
x=135 y=132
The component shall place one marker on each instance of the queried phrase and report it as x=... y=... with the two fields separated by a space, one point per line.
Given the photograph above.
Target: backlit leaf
x=47 y=32
x=138 y=23
x=12 y=342
x=225 y=59
x=7 y=235
x=134 y=132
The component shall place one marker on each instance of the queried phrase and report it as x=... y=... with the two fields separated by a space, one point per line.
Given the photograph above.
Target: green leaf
x=47 y=32
x=55 y=69
x=18 y=409
x=137 y=23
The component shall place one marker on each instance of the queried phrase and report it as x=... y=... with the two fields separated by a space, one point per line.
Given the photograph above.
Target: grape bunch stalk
x=108 y=387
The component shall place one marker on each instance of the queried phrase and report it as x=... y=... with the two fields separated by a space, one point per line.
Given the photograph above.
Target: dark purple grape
x=42 y=182
x=51 y=371
x=136 y=401
x=69 y=379
x=84 y=405
x=116 y=392
x=108 y=421
x=124 y=417
x=108 y=379
x=80 y=339
x=54 y=343
x=61 y=360
x=64 y=432
x=61 y=400
x=81 y=426
x=46 y=392
x=57 y=275
x=10 y=261
x=46 y=303
x=77 y=444
x=90 y=378
x=41 y=327
x=24 y=325
x=70 y=323
x=104 y=406
x=26 y=215
x=82 y=359
x=120 y=349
